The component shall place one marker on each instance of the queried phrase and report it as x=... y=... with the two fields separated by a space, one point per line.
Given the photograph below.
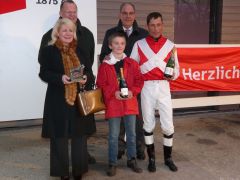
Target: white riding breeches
x=156 y=95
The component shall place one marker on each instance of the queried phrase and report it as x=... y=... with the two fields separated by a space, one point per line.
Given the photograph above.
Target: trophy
x=76 y=74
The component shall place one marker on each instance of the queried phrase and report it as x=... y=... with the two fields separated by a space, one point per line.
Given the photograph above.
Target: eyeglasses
x=128 y=13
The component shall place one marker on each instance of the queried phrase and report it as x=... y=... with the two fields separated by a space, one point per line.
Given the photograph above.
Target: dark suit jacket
x=138 y=33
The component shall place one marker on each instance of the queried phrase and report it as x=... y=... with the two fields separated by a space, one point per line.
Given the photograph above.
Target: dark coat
x=137 y=34
x=85 y=47
x=59 y=118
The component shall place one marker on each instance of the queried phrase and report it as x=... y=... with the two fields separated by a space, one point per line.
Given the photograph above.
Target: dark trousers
x=140 y=143
x=59 y=156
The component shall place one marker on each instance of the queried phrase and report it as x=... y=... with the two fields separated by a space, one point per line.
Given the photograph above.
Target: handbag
x=90 y=102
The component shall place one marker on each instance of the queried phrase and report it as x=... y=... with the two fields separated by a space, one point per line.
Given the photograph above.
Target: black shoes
x=91 y=159
x=151 y=156
x=151 y=165
x=120 y=154
x=111 y=171
x=132 y=163
x=169 y=162
x=141 y=155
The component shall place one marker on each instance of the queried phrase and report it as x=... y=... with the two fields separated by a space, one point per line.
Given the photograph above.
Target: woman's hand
x=83 y=80
x=66 y=79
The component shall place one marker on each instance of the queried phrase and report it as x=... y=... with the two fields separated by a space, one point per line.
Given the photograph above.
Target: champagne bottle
x=123 y=85
x=168 y=73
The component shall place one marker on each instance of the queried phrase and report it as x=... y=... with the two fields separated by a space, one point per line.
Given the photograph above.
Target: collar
x=134 y=26
x=66 y=49
x=111 y=60
x=79 y=26
x=130 y=29
x=151 y=39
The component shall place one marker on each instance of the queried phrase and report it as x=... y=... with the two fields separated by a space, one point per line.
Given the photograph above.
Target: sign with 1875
x=54 y=2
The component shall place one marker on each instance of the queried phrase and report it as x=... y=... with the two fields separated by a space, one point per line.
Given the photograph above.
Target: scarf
x=111 y=60
x=70 y=60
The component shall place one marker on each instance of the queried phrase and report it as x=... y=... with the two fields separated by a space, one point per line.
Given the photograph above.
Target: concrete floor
x=206 y=147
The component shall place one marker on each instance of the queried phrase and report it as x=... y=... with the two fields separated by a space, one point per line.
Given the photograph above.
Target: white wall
x=22 y=93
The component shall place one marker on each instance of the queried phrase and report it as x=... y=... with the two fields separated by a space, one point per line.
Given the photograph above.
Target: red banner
x=208 y=69
x=7 y=6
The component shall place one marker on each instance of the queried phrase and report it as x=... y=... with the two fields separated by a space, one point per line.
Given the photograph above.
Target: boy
x=117 y=106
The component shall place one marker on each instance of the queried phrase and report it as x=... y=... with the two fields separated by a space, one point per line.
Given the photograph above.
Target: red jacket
x=107 y=80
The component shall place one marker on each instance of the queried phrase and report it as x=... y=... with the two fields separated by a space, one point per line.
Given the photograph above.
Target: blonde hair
x=58 y=25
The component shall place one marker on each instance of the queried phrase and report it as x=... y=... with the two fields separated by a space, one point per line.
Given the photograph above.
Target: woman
x=61 y=119
x=117 y=106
